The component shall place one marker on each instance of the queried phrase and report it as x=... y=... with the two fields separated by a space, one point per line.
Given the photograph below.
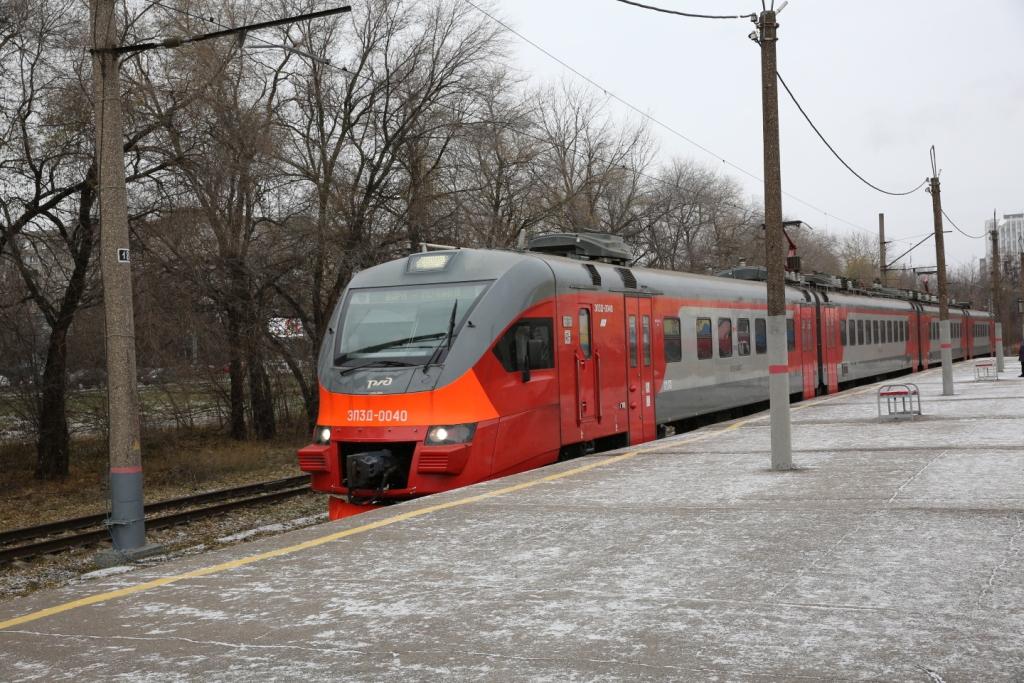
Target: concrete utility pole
x=778 y=351
x=945 y=339
x=997 y=295
x=127 y=522
x=881 y=250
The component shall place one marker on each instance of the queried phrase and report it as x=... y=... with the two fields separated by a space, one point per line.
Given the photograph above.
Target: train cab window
x=842 y=333
x=724 y=337
x=632 y=342
x=535 y=333
x=673 y=340
x=704 y=343
x=743 y=336
x=790 y=334
x=585 y=332
x=645 y=331
x=760 y=336
x=860 y=333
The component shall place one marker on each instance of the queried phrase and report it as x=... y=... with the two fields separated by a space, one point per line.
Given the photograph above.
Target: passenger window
x=790 y=334
x=874 y=334
x=724 y=337
x=760 y=336
x=536 y=334
x=704 y=343
x=860 y=333
x=584 y=332
x=632 y=341
x=842 y=332
x=889 y=335
x=743 y=336
x=645 y=329
x=673 y=340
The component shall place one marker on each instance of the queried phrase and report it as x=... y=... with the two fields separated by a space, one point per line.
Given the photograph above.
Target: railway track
x=91 y=529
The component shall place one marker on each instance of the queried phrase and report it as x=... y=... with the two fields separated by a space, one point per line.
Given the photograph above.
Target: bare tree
x=858 y=253
x=365 y=144
x=494 y=175
x=592 y=166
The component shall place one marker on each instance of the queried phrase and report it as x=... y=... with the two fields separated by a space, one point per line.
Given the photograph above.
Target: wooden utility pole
x=127 y=522
x=945 y=339
x=881 y=250
x=778 y=350
x=997 y=294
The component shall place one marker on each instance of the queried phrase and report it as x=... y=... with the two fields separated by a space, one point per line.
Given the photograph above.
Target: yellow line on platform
x=312 y=543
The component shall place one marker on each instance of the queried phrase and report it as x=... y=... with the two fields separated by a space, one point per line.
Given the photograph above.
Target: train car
x=451 y=367
x=972 y=333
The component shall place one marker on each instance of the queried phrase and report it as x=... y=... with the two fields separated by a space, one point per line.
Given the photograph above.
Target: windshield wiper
x=376 y=362
x=447 y=338
x=387 y=345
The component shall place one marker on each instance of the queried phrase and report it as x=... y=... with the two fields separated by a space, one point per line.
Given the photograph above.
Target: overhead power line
x=239 y=30
x=658 y=122
x=836 y=154
x=687 y=14
x=965 y=234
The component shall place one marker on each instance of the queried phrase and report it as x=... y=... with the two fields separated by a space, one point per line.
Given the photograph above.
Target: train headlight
x=444 y=435
x=322 y=435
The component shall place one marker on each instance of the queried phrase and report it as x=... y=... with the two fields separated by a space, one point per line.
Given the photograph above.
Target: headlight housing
x=322 y=435
x=445 y=435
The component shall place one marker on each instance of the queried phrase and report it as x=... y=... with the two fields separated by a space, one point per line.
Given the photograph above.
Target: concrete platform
x=895 y=552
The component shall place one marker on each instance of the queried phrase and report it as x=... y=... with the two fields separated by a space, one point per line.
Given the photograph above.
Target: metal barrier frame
x=985 y=370
x=901 y=400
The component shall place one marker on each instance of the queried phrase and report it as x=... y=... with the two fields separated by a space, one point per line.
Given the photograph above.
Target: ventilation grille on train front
x=595 y=277
x=312 y=462
x=627 y=277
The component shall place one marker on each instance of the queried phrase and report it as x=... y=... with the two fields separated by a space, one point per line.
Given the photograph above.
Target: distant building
x=1011 y=237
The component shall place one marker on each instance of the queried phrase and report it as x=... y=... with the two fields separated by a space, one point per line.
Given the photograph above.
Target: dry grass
x=174 y=463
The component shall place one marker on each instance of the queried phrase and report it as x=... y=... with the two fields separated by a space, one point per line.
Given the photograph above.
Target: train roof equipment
x=584 y=246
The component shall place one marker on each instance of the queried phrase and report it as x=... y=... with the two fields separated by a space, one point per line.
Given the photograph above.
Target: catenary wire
x=658 y=122
x=973 y=237
x=836 y=154
x=686 y=14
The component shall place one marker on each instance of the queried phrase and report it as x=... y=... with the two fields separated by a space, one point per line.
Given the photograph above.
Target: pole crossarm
x=890 y=264
x=168 y=43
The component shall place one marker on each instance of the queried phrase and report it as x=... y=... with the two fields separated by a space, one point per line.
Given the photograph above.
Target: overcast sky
x=883 y=79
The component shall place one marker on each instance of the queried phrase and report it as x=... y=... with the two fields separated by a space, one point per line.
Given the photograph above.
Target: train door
x=640 y=368
x=916 y=342
x=829 y=345
x=807 y=346
x=591 y=379
x=967 y=335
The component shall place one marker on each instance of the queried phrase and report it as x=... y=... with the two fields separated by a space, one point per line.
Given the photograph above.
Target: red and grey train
x=451 y=367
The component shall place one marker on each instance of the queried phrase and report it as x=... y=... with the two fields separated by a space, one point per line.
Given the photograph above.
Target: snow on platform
x=894 y=552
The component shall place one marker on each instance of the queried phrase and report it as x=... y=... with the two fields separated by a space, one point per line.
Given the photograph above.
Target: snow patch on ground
x=109 y=571
x=273 y=528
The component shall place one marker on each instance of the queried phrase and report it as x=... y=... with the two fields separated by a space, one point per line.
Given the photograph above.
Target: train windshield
x=402 y=325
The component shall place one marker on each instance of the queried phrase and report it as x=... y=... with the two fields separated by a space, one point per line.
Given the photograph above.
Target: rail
x=248 y=495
